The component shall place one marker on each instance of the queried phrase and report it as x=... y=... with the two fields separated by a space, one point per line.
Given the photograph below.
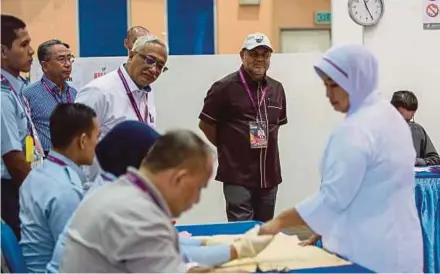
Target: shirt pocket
x=22 y=123
x=273 y=113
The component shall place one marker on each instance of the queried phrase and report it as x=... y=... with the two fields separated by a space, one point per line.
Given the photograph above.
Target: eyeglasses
x=65 y=59
x=151 y=61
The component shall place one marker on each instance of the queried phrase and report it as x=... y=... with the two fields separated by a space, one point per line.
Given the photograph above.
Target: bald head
x=134 y=33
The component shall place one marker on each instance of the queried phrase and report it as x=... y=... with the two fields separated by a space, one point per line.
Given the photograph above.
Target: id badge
x=258 y=134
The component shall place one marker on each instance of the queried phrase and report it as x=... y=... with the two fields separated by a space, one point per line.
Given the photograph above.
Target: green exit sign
x=323 y=17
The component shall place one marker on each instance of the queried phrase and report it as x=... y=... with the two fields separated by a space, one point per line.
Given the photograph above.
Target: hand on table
x=250 y=246
x=311 y=240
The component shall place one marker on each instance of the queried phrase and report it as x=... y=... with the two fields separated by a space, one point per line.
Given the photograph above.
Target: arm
x=94 y=98
x=344 y=166
x=210 y=131
x=11 y=145
x=431 y=157
x=60 y=210
x=283 y=114
x=212 y=112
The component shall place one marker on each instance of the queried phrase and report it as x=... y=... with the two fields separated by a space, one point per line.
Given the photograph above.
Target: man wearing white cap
x=241 y=117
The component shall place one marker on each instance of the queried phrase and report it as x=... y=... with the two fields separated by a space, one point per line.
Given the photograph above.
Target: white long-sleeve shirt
x=365 y=209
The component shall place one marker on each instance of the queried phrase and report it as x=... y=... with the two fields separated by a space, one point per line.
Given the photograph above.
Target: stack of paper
x=281 y=254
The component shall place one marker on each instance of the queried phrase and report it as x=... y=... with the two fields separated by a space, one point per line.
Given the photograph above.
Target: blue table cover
x=242 y=227
x=428 y=206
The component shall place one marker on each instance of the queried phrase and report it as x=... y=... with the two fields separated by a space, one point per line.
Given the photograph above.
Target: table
x=242 y=227
x=428 y=206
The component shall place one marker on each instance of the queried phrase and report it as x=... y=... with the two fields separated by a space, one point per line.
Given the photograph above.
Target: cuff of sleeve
x=207 y=118
x=13 y=146
x=317 y=214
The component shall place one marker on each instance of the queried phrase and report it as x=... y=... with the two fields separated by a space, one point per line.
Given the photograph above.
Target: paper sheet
x=282 y=253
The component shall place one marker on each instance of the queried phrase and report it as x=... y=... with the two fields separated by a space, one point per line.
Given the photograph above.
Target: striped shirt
x=43 y=101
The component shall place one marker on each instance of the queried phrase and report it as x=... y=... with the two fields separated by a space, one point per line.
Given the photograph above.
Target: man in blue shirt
x=16 y=57
x=44 y=95
x=51 y=192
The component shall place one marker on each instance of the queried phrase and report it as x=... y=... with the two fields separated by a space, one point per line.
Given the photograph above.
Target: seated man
x=406 y=103
x=137 y=209
x=51 y=192
x=114 y=158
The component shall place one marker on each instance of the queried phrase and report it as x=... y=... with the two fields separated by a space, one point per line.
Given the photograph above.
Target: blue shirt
x=48 y=197
x=54 y=264
x=42 y=104
x=14 y=124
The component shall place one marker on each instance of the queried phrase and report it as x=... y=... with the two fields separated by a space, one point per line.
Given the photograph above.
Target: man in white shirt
x=125 y=94
x=365 y=209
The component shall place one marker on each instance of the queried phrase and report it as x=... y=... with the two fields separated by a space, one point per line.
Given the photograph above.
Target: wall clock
x=366 y=12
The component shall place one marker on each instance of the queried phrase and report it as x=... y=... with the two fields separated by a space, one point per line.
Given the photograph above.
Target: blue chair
x=11 y=251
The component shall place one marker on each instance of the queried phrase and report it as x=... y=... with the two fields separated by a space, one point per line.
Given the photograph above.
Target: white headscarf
x=352 y=67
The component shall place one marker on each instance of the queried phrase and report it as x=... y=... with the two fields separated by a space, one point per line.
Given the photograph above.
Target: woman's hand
x=311 y=240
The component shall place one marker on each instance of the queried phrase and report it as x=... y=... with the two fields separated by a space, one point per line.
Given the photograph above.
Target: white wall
x=409 y=59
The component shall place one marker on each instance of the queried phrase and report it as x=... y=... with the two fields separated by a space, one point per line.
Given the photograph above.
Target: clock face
x=365 y=12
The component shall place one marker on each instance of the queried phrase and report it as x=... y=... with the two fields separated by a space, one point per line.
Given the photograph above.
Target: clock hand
x=365 y=3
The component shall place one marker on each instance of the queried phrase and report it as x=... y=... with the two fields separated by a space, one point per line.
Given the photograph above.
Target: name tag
x=258 y=134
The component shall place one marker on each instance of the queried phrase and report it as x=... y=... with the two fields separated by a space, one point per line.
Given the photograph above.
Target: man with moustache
x=241 y=117
x=133 y=34
x=18 y=134
x=52 y=89
x=125 y=93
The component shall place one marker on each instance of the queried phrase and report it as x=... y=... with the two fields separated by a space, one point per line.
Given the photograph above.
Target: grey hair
x=174 y=149
x=43 y=51
x=149 y=39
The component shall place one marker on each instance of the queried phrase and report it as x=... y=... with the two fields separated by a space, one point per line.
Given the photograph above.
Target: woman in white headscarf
x=365 y=209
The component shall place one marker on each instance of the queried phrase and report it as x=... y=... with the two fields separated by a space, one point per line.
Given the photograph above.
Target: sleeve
x=207 y=256
x=214 y=104
x=9 y=129
x=60 y=210
x=283 y=114
x=149 y=244
x=343 y=170
x=431 y=156
x=189 y=241
x=93 y=97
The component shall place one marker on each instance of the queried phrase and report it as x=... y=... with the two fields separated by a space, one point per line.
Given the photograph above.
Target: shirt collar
x=52 y=85
x=131 y=84
x=16 y=82
x=152 y=190
x=71 y=164
x=108 y=177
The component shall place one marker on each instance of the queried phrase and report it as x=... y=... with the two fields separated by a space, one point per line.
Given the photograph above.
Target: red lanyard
x=23 y=102
x=54 y=95
x=136 y=181
x=132 y=100
x=263 y=94
x=56 y=160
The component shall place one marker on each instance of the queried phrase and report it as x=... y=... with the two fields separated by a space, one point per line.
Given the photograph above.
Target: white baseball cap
x=256 y=40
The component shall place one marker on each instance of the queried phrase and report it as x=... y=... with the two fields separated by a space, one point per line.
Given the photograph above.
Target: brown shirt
x=228 y=106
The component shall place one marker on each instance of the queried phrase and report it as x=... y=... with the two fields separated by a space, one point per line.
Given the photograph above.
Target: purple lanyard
x=23 y=102
x=54 y=95
x=132 y=100
x=56 y=160
x=106 y=178
x=136 y=181
x=246 y=86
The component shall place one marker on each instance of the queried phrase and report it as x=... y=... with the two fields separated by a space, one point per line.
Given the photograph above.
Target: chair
x=11 y=251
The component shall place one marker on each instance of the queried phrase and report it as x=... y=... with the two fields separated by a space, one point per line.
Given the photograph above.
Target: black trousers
x=249 y=204
x=10 y=205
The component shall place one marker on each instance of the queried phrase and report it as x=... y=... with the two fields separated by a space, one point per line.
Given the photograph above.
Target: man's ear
x=4 y=52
